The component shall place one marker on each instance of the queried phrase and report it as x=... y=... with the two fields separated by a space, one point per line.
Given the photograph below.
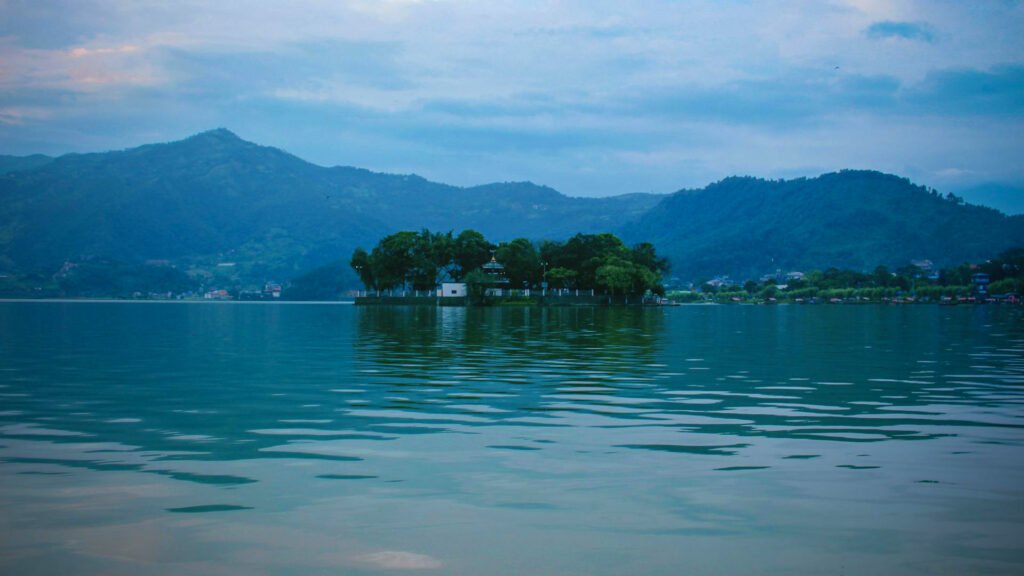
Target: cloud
x=83 y=52
x=918 y=31
x=347 y=73
x=16 y=115
x=785 y=102
x=998 y=92
x=592 y=97
x=82 y=68
x=952 y=172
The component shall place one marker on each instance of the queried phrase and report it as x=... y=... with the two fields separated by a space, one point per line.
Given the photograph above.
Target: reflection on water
x=300 y=439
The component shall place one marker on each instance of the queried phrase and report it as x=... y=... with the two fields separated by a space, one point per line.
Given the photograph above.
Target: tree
x=585 y=253
x=553 y=253
x=562 y=278
x=394 y=258
x=882 y=277
x=431 y=254
x=1013 y=261
x=521 y=261
x=620 y=276
x=645 y=279
x=477 y=284
x=616 y=275
x=470 y=250
x=1005 y=286
x=424 y=258
x=361 y=263
x=959 y=276
x=645 y=255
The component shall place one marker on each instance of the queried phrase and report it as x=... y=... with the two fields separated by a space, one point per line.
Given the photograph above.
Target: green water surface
x=146 y=438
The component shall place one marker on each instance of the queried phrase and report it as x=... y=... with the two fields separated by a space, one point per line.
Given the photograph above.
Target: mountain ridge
x=215 y=198
x=851 y=218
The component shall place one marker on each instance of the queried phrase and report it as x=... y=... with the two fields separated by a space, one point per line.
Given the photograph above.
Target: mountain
x=18 y=163
x=234 y=213
x=207 y=195
x=850 y=219
x=217 y=199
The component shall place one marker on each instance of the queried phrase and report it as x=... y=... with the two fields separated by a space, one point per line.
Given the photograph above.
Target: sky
x=590 y=97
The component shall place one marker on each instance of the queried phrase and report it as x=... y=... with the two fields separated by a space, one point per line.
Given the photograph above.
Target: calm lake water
x=329 y=439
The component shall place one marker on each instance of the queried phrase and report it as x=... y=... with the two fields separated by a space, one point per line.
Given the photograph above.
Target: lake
x=193 y=438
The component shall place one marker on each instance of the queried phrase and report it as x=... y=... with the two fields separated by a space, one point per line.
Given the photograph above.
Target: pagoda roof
x=493 y=265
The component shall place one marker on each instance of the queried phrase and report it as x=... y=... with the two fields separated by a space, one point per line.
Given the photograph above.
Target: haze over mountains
x=215 y=198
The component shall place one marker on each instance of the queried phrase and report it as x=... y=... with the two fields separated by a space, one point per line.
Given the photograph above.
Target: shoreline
x=497 y=305
x=204 y=302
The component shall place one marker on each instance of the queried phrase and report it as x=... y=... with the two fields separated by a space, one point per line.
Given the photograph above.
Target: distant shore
x=511 y=304
x=172 y=301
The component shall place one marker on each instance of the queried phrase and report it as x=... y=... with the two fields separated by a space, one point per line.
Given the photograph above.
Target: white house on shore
x=452 y=290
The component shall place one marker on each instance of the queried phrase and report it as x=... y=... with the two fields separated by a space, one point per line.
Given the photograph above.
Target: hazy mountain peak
x=216 y=134
x=211 y=149
x=216 y=139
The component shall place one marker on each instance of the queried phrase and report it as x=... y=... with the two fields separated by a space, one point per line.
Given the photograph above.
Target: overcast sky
x=589 y=97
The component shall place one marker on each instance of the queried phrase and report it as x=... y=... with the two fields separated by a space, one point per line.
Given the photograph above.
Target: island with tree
x=445 y=268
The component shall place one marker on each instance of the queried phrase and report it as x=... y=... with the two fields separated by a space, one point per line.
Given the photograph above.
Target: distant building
x=925 y=266
x=452 y=290
x=498 y=282
x=272 y=290
x=980 y=282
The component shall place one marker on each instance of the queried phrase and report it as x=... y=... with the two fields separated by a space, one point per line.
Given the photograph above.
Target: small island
x=466 y=269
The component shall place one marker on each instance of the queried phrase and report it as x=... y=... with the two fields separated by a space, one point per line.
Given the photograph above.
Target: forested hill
x=854 y=219
x=216 y=197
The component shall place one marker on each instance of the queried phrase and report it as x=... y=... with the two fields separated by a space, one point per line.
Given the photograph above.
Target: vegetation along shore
x=424 y=267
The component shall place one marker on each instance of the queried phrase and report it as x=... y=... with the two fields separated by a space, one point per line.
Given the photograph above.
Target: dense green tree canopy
x=470 y=251
x=432 y=255
x=423 y=259
x=522 y=262
x=603 y=262
x=393 y=259
x=362 y=265
x=1005 y=272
